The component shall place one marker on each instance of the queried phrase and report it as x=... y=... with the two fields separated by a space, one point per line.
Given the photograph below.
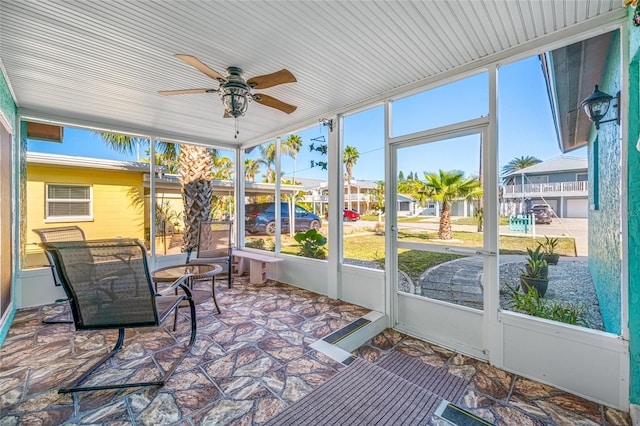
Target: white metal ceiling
x=104 y=62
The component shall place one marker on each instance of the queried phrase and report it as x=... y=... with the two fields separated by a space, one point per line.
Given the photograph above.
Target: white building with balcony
x=561 y=182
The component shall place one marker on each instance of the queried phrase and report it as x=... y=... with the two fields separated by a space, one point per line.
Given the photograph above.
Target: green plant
x=531 y=303
x=261 y=244
x=535 y=254
x=549 y=245
x=311 y=244
x=166 y=217
x=256 y=244
x=536 y=269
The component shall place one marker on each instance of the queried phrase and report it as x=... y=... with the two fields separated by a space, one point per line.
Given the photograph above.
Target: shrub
x=549 y=245
x=531 y=303
x=261 y=244
x=311 y=244
x=256 y=244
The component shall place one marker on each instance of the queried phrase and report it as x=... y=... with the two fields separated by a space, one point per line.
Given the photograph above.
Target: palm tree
x=292 y=146
x=251 y=169
x=268 y=158
x=350 y=158
x=195 y=165
x=223 y=166
x=446 y=187
x=519 y=163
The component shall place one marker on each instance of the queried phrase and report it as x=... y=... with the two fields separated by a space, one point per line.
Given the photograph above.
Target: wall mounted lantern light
x=596 y=106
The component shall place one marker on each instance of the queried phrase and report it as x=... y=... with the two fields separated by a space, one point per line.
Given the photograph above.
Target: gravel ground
x=569 y=281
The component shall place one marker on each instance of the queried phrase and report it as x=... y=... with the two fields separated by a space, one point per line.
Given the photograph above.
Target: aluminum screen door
x=443 y=255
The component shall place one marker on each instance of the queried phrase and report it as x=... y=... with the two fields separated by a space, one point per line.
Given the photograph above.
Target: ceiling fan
x=235 y=91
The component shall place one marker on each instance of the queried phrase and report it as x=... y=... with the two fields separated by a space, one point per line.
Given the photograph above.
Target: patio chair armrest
x=180 y=282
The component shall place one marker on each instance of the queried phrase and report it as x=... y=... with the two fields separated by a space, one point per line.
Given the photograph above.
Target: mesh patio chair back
x=214 y=245
x=109 y=287
x=58 y=233
x=61 y=233
x=106 y=282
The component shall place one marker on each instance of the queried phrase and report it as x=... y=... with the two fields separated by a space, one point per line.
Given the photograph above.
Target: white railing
x=558 y=187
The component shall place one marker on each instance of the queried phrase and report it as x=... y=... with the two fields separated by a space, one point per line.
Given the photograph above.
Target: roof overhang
x=571 y=73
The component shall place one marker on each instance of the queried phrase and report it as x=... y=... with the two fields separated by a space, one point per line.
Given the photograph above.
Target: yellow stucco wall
x=118 y=204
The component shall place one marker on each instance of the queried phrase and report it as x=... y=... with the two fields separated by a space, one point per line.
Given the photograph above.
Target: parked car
x=350 y=215
x=347 y=215
x=542 y=213
x=260 y=218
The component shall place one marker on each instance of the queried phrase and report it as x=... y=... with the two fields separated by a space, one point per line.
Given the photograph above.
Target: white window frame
x=54 y=219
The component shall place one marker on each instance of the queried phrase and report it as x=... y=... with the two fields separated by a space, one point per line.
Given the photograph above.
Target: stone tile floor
x=249 y=363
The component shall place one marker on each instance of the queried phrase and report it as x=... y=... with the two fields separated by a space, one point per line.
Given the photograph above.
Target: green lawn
x=370 y=247
x=458 y=221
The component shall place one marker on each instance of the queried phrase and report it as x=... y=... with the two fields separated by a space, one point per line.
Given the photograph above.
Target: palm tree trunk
x=444 y=230
x=197 y=190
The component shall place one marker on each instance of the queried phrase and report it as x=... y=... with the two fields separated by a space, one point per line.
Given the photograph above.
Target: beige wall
x=117 y=204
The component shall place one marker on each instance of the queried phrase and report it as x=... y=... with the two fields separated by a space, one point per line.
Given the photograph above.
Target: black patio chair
x=109 y=287
x=59 y=233
x=214 y=245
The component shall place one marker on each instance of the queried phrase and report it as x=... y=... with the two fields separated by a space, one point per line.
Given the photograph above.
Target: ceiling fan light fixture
x=235 y=100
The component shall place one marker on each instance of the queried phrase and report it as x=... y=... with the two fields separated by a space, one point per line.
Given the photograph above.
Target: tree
x=195 y=174
x=292 y=146
x=251 y=169
x=350 y=158
x=268 y=158
x=223 y=167
x=519 y=163
x=378 y=194
x=446 y=187
x=400 y=176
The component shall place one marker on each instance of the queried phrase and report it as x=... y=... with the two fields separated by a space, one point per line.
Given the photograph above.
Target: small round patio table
x=198 y=271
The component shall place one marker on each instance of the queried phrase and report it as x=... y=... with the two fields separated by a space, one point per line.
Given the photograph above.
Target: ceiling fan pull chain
x=237 y=131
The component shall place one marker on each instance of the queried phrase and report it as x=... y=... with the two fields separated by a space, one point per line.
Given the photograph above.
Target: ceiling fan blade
x=185 y=91
x=227 y=115
x=273 y=79
x=196 y=63
x=272 y=102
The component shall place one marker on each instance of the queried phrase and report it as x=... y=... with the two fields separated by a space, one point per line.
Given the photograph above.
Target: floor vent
x=458 y=416
x=338 y=335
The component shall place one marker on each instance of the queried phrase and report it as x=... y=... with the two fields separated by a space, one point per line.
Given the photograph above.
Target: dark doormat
x=399 y=390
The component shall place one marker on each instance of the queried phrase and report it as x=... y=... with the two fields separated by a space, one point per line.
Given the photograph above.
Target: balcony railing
x=559 y=188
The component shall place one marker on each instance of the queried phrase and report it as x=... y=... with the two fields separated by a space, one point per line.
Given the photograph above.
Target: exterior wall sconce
x=596 y=106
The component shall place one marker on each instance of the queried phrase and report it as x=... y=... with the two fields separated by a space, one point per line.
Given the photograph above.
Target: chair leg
x=213 y=292
x=74 y=387
x=175 y=318
x=169 y=372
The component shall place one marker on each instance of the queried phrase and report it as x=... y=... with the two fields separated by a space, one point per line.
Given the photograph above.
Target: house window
x=67 y=203
x=581 y=177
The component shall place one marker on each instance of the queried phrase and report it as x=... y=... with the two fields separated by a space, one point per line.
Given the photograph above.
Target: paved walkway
x=460 y=281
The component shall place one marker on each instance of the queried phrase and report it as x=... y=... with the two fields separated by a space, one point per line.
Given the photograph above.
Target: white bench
x=257 y=265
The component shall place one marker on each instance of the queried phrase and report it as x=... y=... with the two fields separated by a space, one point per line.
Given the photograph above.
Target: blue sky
x=525 y=128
